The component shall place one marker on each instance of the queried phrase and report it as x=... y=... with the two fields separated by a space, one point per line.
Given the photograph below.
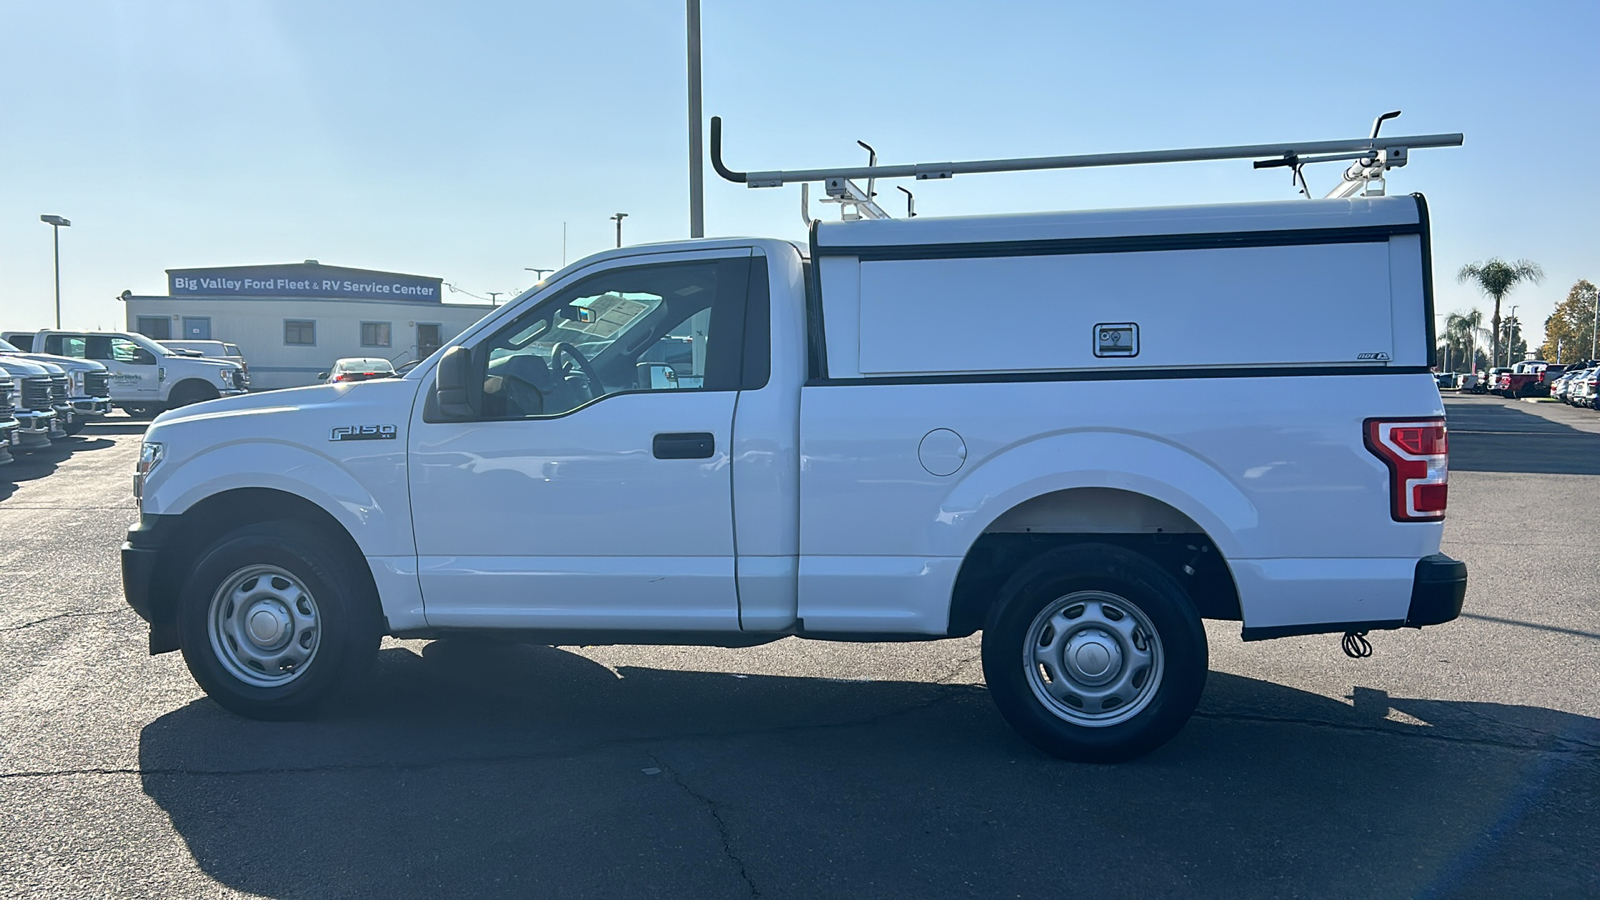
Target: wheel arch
x=206 y=390
x=198 y=528
x=1120 y=517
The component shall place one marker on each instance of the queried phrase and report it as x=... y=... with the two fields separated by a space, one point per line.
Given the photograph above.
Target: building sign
x=302 y=280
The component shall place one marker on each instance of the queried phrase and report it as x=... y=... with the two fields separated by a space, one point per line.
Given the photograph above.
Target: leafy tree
x=1464 y=334
x=1511 y=336
x=1569 y=332
x=1495 y=278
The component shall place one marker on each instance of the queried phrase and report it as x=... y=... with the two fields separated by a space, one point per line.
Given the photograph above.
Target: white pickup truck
x=1080 y=433
x=146 y=377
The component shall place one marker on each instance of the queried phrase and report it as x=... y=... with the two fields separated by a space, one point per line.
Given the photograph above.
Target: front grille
x=36 y=393
x=6 y=384
x=60 y=389
x=238 y=378
x=97 y=384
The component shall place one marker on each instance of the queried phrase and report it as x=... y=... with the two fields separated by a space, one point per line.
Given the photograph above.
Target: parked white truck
x=1080 y=433
x=146 y=378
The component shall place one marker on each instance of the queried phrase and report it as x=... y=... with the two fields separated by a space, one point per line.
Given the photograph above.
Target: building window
x=374 y=334
x=299 y=332
x=157 y=328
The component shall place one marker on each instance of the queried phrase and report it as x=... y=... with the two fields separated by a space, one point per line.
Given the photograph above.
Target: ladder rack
x=1372 y=156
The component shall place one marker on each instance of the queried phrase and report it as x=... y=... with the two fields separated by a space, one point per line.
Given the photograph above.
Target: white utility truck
x=146 y=377
x=1078 y=432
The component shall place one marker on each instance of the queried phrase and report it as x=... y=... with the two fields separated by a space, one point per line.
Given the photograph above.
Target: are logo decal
x=1380 y=356
x=364 y=433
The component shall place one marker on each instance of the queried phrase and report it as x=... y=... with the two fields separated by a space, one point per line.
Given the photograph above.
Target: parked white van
x=1080 y=433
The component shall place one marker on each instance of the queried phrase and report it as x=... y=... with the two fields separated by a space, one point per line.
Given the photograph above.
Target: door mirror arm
x=452 y=384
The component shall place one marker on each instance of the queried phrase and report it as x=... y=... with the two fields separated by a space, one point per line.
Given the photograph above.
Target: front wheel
x=273 y=621
x=1093 y=653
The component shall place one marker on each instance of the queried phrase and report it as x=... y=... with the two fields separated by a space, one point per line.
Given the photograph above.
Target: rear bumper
x=1438 y=589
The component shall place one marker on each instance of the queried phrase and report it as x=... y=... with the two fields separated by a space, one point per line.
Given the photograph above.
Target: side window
x=126 y=351
x=74 y=346
x=671 y=327
x=374 y=334
x=299 y=333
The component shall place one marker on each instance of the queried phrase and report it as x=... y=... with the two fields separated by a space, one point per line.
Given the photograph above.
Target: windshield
x=148 y=344
x=8 y=347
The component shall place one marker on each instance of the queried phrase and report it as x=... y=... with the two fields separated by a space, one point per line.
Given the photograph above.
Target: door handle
x=684 y=445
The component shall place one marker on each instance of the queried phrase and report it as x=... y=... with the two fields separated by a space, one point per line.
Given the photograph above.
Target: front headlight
x=225 y=376
x=77 y=383
x=150 y=453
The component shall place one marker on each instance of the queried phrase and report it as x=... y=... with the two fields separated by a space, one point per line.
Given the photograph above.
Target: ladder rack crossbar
x=926 y=171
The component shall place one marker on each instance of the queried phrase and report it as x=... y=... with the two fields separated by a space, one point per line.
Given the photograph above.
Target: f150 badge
x=364 y=433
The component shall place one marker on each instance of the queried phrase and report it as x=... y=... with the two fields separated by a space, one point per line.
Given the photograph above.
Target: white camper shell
x=1079 y=432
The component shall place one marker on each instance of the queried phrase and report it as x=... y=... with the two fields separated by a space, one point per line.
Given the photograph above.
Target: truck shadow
x=1495 y=437
x=516 y=770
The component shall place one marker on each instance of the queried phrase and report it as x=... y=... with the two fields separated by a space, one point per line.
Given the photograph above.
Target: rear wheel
x=273 y=621
x=1093 y=653
x=75 y=426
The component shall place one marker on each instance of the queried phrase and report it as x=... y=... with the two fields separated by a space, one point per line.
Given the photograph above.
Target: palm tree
x=1465 y=332
x=1496 y=277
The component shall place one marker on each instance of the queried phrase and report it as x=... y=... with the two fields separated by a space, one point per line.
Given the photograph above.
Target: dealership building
x=292 y=321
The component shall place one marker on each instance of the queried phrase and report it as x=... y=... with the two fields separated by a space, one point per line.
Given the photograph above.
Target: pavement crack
x=716 y=816
x=70 y=615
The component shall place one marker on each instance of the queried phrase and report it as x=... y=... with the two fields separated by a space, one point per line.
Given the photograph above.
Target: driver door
x=592 y=487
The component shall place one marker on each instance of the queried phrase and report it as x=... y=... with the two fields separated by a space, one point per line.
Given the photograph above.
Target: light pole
x=1511 y=333
x=1594 y=335
x=56 y=223
x=538 y=274
x=492 y=295
x=618 y=219
x=697 y=200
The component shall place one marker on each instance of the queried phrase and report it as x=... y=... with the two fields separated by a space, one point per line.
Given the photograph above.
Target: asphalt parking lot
x=1459 y=761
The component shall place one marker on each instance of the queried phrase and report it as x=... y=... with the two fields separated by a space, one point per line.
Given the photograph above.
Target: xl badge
x=364 y=433
x=1116 y=339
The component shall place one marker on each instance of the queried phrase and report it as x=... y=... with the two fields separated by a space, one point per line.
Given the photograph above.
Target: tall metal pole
x=1594 y=336
x=697 y=199
x=618 y=219
x=55 y=234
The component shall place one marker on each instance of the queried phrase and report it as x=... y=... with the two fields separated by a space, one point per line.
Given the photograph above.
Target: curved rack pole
x=927 y=171
x=716 y=154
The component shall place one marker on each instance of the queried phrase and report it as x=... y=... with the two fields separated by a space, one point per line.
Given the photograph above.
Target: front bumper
x=35 y=428
x=8 y=439
x=1438 y=589
x=140 y=588
x=90 y=407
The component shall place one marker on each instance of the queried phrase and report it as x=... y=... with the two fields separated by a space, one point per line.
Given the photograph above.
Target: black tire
x=75 y=427
x=348 y=620
x=144 y=410
x=1131 y=579
x=187 y=392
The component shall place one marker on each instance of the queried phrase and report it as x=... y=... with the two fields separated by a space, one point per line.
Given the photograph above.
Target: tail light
x=1417 y=454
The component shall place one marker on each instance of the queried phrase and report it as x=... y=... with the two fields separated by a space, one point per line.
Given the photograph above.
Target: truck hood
x=70 y=363
x=395 y=392
x=21 y=367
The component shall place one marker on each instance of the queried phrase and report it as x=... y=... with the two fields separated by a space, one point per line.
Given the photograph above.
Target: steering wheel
x=591 y=381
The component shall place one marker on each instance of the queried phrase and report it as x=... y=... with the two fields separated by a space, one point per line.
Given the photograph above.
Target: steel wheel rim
x=1093 y=658
x=264 y=626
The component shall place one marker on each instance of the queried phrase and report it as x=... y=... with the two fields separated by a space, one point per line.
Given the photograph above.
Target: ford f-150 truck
x=146 y=378
x=8 y=421
x=36 y=386
x=88 y=386
x=1081 y=433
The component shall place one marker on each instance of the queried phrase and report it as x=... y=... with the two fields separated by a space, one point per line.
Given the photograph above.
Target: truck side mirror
x=656 y=376
x=450 y=384
x=322 y=376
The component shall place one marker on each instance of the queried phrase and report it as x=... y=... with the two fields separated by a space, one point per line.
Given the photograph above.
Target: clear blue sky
x=455 y=139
